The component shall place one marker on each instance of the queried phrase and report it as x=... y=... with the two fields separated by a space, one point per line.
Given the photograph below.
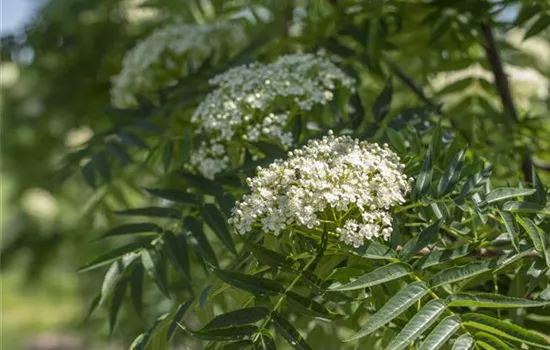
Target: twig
x=503 y=88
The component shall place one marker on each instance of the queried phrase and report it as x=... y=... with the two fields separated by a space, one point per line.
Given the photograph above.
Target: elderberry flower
x=173 y=52
x=350 y=183
x=256 y=102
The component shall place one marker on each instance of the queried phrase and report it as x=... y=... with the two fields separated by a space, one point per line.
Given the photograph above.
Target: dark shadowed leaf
x=156 y=212
x=116 y=302
x=182 y=309
x=237 y=318
x=441 y=256
x=136 y=287
x=287 y=331
x=220 y=334
x=136 y=228
x=424 y=178
x=205 y=249
x=116 y=253
x=155 y=267
x=217 y=222
x=174 y=195
x=425 y=237
x=382 y=104
x=270 y=257
x=451 y=175
x=252 y=284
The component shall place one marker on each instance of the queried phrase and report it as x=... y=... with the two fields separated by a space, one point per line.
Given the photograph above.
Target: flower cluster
x=350 y=183
x=256 y=102
x=170 y=53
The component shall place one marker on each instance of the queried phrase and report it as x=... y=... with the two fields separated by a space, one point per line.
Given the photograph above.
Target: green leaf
x=177 y=250
x=425 y=237
x=88 y=174
x=114 y=275
x=252 y=284
x=511 y=227
x=441 y=333
x=539 y=187
x=372 y=250
x=442 y=256
x=237 y=318
x=476 y=181
x=167 y=155
x=129 y=229
x=203 y=184
x=267 y=342
x=178 y=315
x=174 y=195
x=393 y=308
x=155 y=267
x=114 y=254
x=158 y=212
x=221 y=334
x=381 y=275
x=205 y=249
x=287 y=331
x=458 y=273
x=464 y=342
x=456 y=86
x=382 y=104
x=532 y=230
x=102 y=166
x=523 y=207
x=396 y=141
x=451 y=175
x=538 y=26
x=270 y=257
x=508 y=192
x=421 y=321
x=136 y=288
x=424 y=179
x=217 y=222
x=118 y=151
x=308 y=306
x=488 y=300
x=504 y=329
x=116 y=302
x=490 y=342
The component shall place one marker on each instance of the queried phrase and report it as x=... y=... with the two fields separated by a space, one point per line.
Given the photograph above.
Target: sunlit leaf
x=441 y=333
x=238 y=317
x=381 y=275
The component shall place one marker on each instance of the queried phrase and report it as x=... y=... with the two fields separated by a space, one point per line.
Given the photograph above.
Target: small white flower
x=356 y=183
x=255 y=102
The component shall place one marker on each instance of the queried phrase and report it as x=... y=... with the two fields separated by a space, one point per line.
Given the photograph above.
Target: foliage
x=467 y=261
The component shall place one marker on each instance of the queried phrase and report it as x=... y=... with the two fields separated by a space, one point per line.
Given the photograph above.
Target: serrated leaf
x=441 y=333
x=490 y=342
x=270 y=257
x=222 y=334
x=217 y=223
x=458 y=273
x=287 y=331
x=205 y=249
x=393 y=308
x=442 y=256
x=424 y=178
x=136 y=288
x=156 y=212
x=425 y=237
x=499 y=194
x=114 y=254
x=156 y=269
x=488 y=300
x=114 y=275
x=308 y=306
x=464 y=342
x=237 y=318
x=174 y=195
x=252 y=284
x=381 y=275
x=451 y=175
x=503 y=329
x=136 y=228
x=382 y=104
x=421 y=321
x=522 y=207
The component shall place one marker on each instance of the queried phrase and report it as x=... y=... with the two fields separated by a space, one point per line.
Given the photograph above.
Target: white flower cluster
x=257 y=101
x=350 y=183
x=170 y=53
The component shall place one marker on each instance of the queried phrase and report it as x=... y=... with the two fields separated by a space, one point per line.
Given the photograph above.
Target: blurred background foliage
x=70 y=159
